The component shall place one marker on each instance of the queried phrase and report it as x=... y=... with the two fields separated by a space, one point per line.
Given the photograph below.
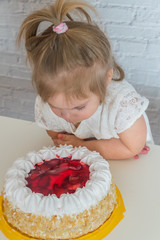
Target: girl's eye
x=80 y=108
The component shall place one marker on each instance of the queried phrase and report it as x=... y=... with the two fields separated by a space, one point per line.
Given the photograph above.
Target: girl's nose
x=65 y=114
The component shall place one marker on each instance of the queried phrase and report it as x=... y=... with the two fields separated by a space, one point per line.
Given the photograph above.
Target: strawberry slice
x=58 y=176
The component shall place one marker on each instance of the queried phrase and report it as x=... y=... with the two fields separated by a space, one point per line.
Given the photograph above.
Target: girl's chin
x=71 y=122
x=74 y=122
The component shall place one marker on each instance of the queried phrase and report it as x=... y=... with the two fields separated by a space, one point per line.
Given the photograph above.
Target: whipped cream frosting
x=95 y=190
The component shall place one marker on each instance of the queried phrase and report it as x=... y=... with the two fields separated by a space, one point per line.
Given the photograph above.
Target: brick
x=137 y=33
x=14 y=59
x=116 y=15
x=5 y=33
x=11 y=114
x=154 y=105
x=11 y=19
x=141 y=63
x=147 y=18
x=3 y=45
x=151 y=93
x=131 y=48
x=15 y=71
x=157 y=139
x=11 y=6
x=139 y=3
x=9 y=58
x=1 y=102
x=27 y=96
x=146 y=78
x=16 y=84
x=29 y=105
x=13 y=104
x=5 y=91
x=151 y=50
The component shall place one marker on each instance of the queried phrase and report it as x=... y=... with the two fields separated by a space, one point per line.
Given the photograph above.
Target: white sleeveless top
x=123 y=106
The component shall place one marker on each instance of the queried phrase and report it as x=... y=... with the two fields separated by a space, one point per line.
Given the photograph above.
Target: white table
x=137 y=180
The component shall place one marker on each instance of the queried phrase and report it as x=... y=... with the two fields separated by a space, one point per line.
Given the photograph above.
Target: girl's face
x=75 y=110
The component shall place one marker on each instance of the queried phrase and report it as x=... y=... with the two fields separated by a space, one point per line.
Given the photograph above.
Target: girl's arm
x=130 y=142
x=52 y=134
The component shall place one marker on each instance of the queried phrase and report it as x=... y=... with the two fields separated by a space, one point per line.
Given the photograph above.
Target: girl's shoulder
x=121 y=97
x=118 y=90
x=124 y=104
x=119 y=87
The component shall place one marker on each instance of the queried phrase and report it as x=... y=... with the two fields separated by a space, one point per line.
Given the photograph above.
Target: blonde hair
x=73 y=62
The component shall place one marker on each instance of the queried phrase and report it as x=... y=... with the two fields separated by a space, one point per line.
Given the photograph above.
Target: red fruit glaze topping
x=58 y=176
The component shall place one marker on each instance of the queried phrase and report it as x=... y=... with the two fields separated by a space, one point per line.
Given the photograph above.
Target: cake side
x=61 y=227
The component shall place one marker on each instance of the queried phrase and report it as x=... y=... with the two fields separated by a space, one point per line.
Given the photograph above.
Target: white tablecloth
x=137 y=180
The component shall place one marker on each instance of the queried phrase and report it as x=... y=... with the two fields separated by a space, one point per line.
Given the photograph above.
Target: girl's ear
x=109 y=76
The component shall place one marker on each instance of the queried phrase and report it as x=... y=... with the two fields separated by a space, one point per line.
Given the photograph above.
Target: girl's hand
x=145 y=150
x=68 y=139
x=54 y=135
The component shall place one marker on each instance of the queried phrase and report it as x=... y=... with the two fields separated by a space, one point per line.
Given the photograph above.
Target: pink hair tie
x=61 y=28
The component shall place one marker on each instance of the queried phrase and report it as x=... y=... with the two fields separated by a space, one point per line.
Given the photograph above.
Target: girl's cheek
x=56 y=112
x=84 y=114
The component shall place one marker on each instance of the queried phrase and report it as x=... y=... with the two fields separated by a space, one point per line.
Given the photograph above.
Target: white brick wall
x=132 y=25
x=17 y=98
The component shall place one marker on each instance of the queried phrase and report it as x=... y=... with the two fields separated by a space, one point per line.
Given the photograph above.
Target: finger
x=55 y=142
x=63 y=136
x=144 y=151
x=60 y=136
x=147 y=148
x=136 y=157
x=60 y=142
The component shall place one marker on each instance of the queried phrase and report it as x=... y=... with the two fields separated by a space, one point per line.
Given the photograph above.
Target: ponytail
x=37 y=45
x=81 y=46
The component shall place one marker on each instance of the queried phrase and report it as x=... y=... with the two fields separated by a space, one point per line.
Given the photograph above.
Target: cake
x=58 y=193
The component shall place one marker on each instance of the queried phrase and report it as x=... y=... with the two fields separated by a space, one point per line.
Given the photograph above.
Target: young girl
x=82 y=97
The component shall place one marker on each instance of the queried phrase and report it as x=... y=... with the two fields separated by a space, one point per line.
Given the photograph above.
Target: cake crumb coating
x=65 y=227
